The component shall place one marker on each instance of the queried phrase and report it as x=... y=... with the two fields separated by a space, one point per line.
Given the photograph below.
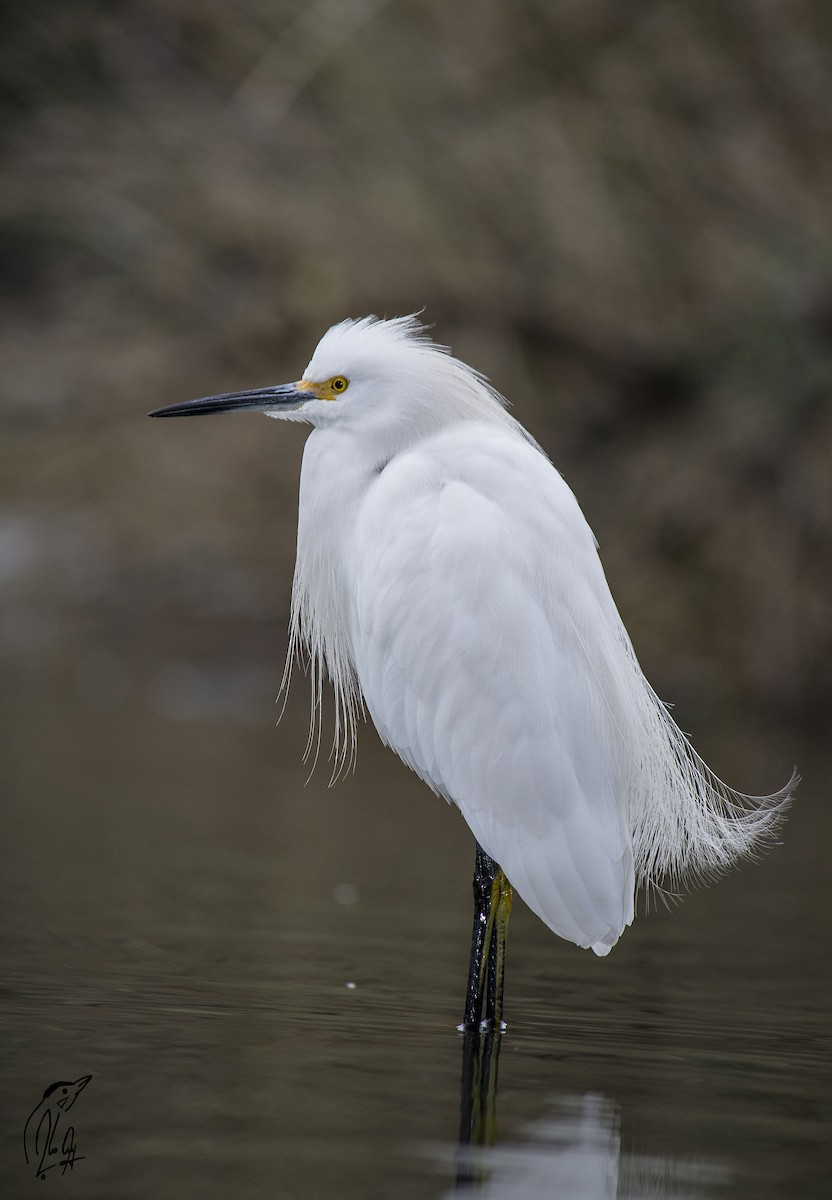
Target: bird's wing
x=477 y=584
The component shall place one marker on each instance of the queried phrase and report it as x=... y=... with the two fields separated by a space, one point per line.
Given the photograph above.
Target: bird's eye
x=339 y=384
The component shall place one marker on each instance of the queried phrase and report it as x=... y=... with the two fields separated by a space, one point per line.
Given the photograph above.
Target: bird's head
x=382 y=378
x=64 y=1093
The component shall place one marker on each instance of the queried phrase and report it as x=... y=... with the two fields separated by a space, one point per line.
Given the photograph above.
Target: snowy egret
x=447 y=579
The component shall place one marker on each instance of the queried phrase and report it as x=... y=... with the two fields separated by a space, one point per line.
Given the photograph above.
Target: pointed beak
x=283 y=396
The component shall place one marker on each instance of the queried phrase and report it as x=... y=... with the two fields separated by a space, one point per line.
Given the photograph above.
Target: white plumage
x=447 y=577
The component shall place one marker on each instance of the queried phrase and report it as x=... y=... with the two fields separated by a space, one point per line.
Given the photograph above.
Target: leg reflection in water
x=478 y=1102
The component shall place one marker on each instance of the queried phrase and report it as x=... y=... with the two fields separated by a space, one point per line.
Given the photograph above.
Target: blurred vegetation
x=621 y=213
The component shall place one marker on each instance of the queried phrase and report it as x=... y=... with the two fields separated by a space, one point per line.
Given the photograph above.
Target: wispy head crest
x=371 y=332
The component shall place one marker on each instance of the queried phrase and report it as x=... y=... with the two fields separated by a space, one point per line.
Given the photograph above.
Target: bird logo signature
x=47 y=1131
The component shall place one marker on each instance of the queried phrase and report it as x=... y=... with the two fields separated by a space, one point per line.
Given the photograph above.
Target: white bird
x=447 y=580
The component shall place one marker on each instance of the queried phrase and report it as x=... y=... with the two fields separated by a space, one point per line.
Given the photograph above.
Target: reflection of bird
x=447 y=577
x=45 y=1119
x=575 y=1151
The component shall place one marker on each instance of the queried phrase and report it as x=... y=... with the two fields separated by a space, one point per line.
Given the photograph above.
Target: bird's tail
x=687 y=824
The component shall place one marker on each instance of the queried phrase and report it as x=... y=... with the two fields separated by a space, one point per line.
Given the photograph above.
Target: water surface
x=263 y=978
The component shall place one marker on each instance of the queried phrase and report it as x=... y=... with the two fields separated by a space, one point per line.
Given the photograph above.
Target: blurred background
x=621 y=214
x=622 y=218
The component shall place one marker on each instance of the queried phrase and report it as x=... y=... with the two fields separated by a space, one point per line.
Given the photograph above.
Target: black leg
x=492 y=904
x=501 y=898
x=484 y=872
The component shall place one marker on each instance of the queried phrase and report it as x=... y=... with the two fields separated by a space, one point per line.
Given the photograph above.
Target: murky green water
x=263 y=979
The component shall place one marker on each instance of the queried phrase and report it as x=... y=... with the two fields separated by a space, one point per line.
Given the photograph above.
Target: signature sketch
x=47 y=1130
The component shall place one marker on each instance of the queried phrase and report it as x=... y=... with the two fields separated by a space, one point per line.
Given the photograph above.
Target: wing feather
x=470 y=666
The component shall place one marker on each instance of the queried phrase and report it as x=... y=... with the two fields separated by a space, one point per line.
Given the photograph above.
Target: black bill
x=284 y=395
